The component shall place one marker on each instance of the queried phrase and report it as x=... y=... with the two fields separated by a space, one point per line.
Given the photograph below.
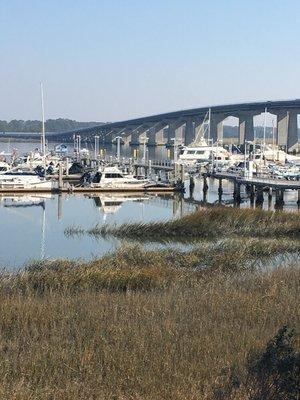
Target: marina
x=149 y=200
x=35 y=223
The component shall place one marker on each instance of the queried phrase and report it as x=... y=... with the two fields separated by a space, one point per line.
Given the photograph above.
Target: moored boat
x=114 y=178
x=24 y=180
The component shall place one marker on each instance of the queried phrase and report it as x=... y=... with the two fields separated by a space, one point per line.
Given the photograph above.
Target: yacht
x=35 y=159
x=201 y=152
x=16 y=179
x=114 y=178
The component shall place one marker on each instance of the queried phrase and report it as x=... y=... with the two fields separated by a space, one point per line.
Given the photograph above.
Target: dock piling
x=60 y=176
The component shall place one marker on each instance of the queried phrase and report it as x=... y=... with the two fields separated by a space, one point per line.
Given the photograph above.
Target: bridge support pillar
x=287 y=129
x=282 y=128
x=134 y=141
x=189 y=133
x=171 y=132
x=160 y=137
x=216 y=127
x=292 y=138
x=151 y=134
x=135 y=135
x=246 y=127
x=108 y=137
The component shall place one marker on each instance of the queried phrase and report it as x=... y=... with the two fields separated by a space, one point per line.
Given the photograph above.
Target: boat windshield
x=113 y=175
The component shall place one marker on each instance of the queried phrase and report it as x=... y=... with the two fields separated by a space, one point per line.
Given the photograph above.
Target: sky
x=108 y=60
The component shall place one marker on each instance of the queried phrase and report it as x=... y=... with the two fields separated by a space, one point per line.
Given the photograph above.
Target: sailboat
x=200 y=151
x=19 y=179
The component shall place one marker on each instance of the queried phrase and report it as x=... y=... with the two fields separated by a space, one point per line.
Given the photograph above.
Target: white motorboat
x=114 y=178
x=24 y=180
x=35 y=159
x=4 y=167
x=201 y=152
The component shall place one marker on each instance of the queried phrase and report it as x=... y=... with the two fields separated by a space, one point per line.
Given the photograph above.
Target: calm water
x=33 y=227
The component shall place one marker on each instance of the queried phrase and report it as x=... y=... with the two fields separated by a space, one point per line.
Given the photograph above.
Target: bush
x=272 y=374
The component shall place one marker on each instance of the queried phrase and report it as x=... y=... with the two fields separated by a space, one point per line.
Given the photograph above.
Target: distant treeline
x=51 y=125
x=63 y=124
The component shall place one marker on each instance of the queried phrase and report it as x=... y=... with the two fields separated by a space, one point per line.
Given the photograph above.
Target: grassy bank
x=140 y=324
x=134 y=268
x=205 y=223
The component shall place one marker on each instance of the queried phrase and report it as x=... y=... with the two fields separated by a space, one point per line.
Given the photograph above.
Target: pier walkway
x=280 y=184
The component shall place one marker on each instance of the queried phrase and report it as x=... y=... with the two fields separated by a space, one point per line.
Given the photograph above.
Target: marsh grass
x=171 y=343
x=207 y=223
x=132 y=268
x=141 y=324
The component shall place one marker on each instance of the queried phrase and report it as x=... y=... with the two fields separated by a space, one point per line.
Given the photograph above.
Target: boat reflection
x=110 y=203
x=24 y=201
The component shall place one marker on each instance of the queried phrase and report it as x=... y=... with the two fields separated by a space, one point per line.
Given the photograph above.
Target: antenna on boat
x=43 y=138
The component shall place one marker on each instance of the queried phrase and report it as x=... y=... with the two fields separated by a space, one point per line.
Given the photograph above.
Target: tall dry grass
x=133 y=268
x=204 y=223
x=142 y=324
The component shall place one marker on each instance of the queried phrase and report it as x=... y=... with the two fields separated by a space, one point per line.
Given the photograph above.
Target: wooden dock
x=280 y=184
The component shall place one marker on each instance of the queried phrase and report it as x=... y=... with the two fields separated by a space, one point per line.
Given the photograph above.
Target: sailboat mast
x=209 y=120
x=43 y=127
x=273 y=140
x=265 y=127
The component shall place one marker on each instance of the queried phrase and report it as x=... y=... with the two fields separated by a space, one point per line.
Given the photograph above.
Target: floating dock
x=82 y=189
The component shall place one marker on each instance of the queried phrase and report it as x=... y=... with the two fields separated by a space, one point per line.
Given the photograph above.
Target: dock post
x=182 y=172
x=59 y=207
x=260 y=196
x=270 y=197
x=252 y=195
x=220 y=190
x=205 y=185
x=282 y=196
x=192 y=183
x=60 y=176
x=279 y=199
x=237 y=193
x=298 y=201
x=67 y=166
x=239 y=198
x=149 y=167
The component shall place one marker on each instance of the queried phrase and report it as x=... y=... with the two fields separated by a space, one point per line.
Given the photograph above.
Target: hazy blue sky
x=106 y=60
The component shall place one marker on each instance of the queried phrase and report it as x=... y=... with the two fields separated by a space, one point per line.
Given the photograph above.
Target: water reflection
x=110 y=203
x=33 y=226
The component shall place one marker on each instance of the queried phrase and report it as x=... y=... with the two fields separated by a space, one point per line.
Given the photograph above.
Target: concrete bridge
x=162 y=128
